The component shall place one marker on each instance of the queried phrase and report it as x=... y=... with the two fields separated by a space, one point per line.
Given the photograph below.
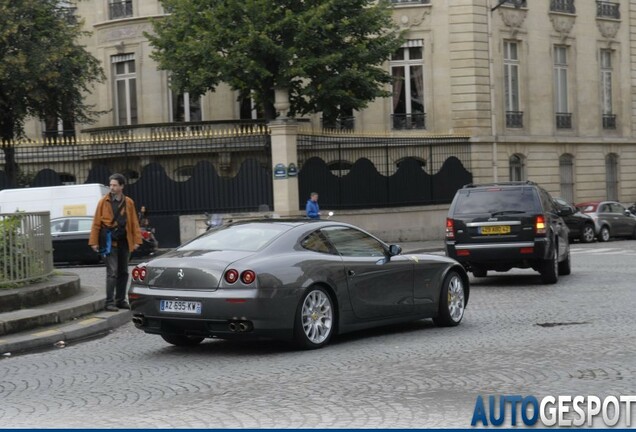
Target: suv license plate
x=498 y=229
x=180 y=306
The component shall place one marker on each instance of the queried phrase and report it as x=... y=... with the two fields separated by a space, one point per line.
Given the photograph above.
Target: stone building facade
x=545 y=89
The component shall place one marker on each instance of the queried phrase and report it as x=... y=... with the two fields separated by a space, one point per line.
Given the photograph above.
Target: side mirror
x=628 y=213
x=394 y=250
x=565 y=211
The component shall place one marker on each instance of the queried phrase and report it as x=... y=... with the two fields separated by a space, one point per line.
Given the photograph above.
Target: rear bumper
x=498 y=255
x=225 y=313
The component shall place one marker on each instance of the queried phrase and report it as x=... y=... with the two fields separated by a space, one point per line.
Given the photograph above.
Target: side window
x=85 y=225
x=57 y=226
x=546 y=201
x=604 y=208
x=316 y=242
x=354 y=243
x=72 y=225
x=617 y=208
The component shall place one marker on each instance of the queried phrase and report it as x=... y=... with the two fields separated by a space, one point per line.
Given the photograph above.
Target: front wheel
x=452 y=301
x=604 y=235
x=180 y=340
x=315 y=319
x=587 y=235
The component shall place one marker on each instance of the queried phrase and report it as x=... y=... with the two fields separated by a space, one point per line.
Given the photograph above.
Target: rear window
x=249 y=237
x=495 y=200
x=588 y=208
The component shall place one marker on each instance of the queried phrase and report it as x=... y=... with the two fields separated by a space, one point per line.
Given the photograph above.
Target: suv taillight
x=539 y=225
x=450 y=229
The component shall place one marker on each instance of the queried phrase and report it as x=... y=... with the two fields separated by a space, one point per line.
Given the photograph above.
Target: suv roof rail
x=505 y=183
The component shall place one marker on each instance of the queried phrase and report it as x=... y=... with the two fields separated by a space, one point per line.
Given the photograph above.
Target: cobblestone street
x=518 y=337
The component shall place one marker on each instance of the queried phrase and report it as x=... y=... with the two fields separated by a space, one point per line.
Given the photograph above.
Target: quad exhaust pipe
x=240 y=326
x=138 y=320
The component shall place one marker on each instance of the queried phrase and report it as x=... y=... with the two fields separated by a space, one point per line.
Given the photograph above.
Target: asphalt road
x=518 y=337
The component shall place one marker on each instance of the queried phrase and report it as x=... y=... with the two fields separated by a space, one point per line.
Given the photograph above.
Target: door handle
x=351 y=273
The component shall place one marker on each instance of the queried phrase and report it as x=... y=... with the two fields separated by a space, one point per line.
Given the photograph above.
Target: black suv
x=504 y=225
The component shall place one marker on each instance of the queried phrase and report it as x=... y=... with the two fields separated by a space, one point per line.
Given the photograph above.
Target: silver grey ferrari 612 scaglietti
x=299 y=280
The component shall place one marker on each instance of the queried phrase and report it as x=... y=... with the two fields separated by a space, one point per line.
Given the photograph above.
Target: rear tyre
x=634 y=233
x=315 y=319
x=180 y=340
x=452 y=301
x=549 y=268
x=587 y=235
x=604 y=235
x=565 y=267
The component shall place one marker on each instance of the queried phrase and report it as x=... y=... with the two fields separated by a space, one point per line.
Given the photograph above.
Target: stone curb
x=58 y=287
x=61 y=335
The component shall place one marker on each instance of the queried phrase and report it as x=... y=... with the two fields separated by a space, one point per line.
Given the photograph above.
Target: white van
x=69 y=200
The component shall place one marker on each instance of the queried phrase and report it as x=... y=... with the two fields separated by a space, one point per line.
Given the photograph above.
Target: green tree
x=327 y=53
x=44 y=70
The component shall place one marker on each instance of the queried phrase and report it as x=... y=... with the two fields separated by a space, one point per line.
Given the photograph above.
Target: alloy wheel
x=456 y=298
x=317 y=316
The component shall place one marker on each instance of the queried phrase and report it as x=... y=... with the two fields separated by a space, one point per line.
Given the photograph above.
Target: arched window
x=67 y=179
x=566 y=171
x=611 y=176
x=420 y=161
x=517 y=167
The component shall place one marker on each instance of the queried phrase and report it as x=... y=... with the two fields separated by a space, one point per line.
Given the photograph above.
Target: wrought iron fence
x=365 y=171
x=514 y=119
x=605 y=9
x=609 y=121
x=564 y=120
x=26 y=253
x=408 y=121
x=565 y=6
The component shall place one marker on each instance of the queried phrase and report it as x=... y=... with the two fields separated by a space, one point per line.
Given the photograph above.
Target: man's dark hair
x=119 y=178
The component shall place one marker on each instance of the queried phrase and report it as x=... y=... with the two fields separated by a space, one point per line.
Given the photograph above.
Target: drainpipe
x=493 y=122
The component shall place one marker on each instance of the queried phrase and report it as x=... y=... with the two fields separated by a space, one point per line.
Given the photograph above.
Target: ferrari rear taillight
x=232 y=275
x=138 y=274
x=539 y=225
x=450 y=229
x=248 y=276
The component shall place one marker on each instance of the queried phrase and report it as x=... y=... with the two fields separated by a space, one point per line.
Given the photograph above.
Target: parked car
x=581 y=225
x=612 y=219
x=70 y=234
x=305 y=280
x=500 y=226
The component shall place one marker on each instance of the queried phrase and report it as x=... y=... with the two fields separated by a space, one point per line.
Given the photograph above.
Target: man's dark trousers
x=117 y=273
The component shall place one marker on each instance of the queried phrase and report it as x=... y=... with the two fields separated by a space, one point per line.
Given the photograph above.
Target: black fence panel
x=356 y=172
x=219 y=171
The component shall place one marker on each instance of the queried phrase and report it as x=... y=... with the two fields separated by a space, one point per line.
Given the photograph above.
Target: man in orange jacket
x=115 y=224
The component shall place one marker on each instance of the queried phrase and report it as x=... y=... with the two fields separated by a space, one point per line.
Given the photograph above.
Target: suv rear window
x=497 y=200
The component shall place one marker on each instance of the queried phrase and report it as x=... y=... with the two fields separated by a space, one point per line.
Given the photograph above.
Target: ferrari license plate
x=497 y=229
x=190 y=307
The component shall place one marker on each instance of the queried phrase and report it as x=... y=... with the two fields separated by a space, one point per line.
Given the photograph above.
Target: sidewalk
x=65 y=310
x=53 y=314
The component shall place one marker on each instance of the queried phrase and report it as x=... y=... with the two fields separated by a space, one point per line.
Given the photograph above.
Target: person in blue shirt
x=312 y=209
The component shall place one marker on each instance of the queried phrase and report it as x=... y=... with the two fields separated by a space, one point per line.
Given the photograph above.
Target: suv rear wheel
x=550 y=268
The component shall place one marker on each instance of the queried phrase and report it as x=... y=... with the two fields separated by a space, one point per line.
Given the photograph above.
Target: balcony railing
x=514 y=119
x=516 y=3
x=341 y=123
x=120 y=9
x=564 y=120
x=408 y=121
x=609 y=121
x=607 y=10
x=565 y=6
x=410 y=1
